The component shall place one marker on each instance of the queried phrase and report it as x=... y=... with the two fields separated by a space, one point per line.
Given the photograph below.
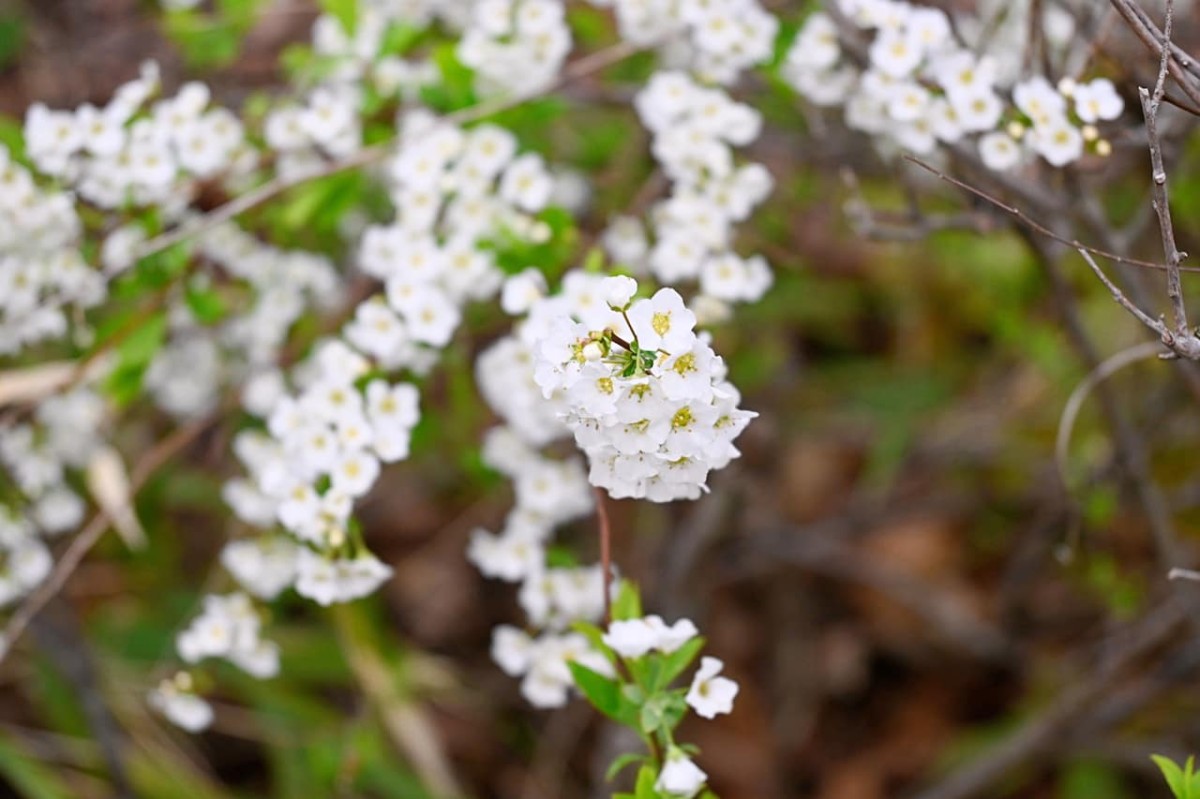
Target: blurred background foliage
x=893 y=571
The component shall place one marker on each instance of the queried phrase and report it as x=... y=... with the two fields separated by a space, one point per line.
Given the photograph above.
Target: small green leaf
x=603 y=693
x=206 y=304
x=621 y=763
x=652 y=718
x=645 y=784
x=674 y=663
x=628 y=604
x=344 y=11
x=1174 y=775
x=134 y=354
x=595 y=637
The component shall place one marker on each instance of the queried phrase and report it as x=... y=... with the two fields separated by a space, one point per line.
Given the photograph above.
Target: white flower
x=263 y=566
x=1098 y=100
x=181 y=707
x=662 y=322
x=710 y=694
x=999 y=152
x=512 y=649
x=1058 y=141
x=634 y=638
x=680 y=777
x=526 y=183
x=619 y=290
x=630 y=639
x=522 y=291
x=1040 y=101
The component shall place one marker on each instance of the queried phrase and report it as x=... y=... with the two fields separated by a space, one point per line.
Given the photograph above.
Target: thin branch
x=370 y=155
x=1118 y=295
x=1066 y=422
x=1162 y=206
x=1028 y=221
x=1181 y=56
x=1153 y=39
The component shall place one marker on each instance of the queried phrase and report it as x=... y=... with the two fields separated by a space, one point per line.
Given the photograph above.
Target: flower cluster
x=62 y=437
x=275 y=287
x=645 y=397
x=229 y=628
x=694 y=131
x=715 y=39
x=325 y=449
x=516 y=44
x=549 y=493
x=921 y=88
x=123 y=153
x=326 y=124
x=42 y=273
x=644 y=657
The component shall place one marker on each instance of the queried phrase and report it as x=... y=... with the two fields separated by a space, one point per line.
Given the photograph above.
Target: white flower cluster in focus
x=646 y=398
x=922 y=88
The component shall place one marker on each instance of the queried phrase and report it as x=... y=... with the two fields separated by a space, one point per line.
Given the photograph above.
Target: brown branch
x=1162 y=207
x=1028 y=221
x=1153 y=39
x=1109 y=367
x=1118 y=295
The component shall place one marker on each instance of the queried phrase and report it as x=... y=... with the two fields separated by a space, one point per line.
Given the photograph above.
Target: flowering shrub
x=318 y=341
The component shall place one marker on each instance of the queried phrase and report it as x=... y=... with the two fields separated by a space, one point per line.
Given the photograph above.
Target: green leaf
x=603 y=693
x=1173 y=774
x=674 y=663
x=12 y=36
x=645 y=784
x=134 y=354
x=628 y=604
x=595 y=637
x=457 y=87
x=651 y=718
x=206 y=304
x=621 y=763
x=344 y=11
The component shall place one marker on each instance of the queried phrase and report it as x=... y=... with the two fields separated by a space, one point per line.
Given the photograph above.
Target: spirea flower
x=646 y=399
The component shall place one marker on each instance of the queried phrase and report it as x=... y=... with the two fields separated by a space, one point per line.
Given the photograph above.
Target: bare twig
x=1158 y=175
x=1070 y=412
x=1028 y=221
x=1154 y=40
x=1118 y=295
